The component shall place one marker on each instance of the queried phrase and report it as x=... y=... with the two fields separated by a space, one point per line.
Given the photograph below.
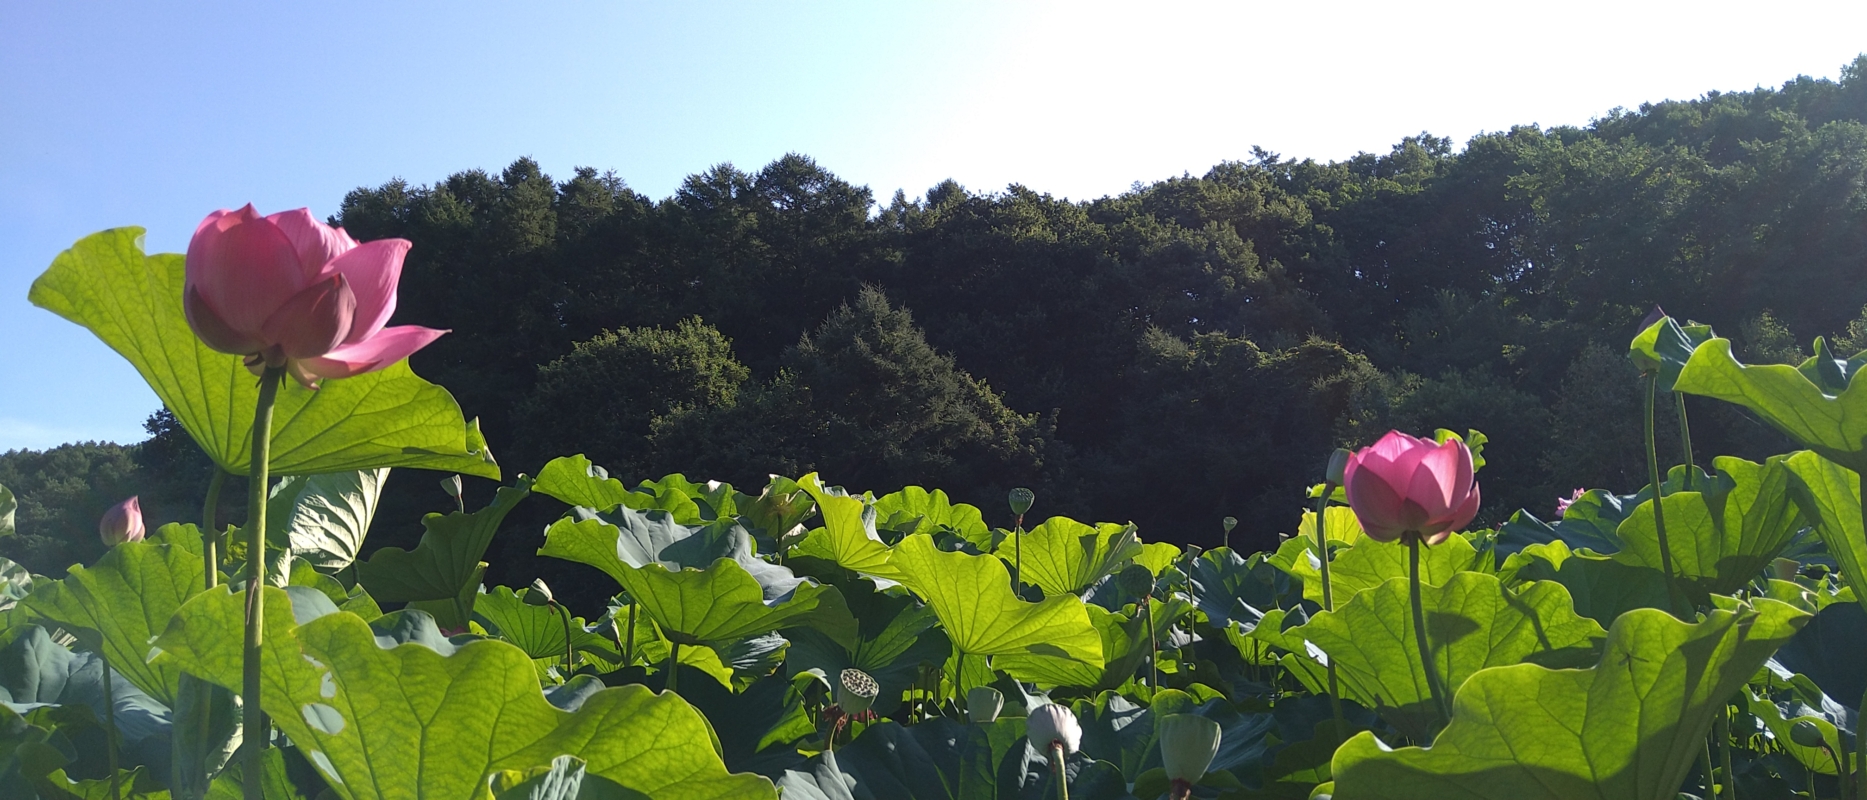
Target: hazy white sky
x=155 y=113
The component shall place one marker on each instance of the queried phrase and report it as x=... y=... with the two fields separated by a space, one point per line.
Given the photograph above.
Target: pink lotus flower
x=289 y=291
x=122 y=523
x=1563 y=503
x=1403 y=485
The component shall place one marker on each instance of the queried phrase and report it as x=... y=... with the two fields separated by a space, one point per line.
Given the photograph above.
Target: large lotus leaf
x=1779 y=718
x=1831 y=650
x=446 y=562
x=973 y=598
x=1830 y=497
x=847 y=538
x=1723 y=535
x=323 y=518
x=1157 y=556
x=405 y=721
x=1341 y=525
x=119 y=604
x=1472 y=622
x=1831 y=421
x=133 y=302
x=1629 y=728
x=1602 y=587
x=895 y=636
x=681 y=497
x=36 y=672
x=1230 y=589
x=755 y=724
x=577 y=482
x=724 y=601
x=1665 y=346
x=8 y=505
x=944 y=760
x=15 y=585
x=932 y=512
x=1063 y=556
x=624 y=536
x=1371 y=563
x=536 y=628
x=779 y=509
x=1592 y=521
x=565 y=779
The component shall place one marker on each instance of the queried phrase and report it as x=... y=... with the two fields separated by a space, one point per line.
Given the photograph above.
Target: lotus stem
x=1721 y=729
x=253 y=719
x=628 y=653
x=1328 y=601
x=1685 y=438
x=110 y=730
x=1017 y=557
x=1063 y=777
x=1153 y=645
x=1419 y=628
x=1704 y=761
x=570 y=652
x=674 y=666
x=210 y=529
x=1659 y=509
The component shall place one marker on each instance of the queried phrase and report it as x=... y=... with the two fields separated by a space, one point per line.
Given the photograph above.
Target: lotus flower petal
x=314 y=321
x=372 y=270
x=381 y=350
x=316 y=243
x=245 y=268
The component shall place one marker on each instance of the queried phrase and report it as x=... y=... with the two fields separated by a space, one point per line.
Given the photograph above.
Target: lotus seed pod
x=1021 y=500
x=1187 y=744
x=983 y=704
x=1135 y=580
x=855 y=691
x=1053 y=724
x=1338 y=464
x=1805 y=733
x=1229 y=523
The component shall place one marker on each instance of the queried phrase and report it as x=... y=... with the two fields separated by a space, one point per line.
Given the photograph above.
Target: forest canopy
x=1188 y=350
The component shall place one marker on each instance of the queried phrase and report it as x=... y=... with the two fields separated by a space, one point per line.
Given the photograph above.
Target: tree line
x=1185 y=351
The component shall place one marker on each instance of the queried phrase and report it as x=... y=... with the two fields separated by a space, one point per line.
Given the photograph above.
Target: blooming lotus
x=1404 y=485
x=123 y=522
x=289 y=291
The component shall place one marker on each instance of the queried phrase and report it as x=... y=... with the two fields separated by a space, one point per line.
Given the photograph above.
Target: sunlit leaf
x=323 y=518
x=1831 y=421
x=1063 y=556
x=133 y=302
x=973 y=598
x=445 y=564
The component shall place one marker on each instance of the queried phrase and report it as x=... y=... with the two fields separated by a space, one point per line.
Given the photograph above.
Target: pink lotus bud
x=1405 y=485
x=288 y=290
x=122 y=523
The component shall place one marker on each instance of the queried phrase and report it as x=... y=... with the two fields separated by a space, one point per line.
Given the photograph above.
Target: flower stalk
x=252 y=718
x=1433 y=688
x=210 y=534
x=1328 y=599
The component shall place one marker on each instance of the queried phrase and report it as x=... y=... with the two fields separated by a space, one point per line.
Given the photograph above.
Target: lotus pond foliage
x=1701 y=634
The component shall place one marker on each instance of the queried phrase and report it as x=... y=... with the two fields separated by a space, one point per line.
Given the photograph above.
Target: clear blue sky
x=154 y=113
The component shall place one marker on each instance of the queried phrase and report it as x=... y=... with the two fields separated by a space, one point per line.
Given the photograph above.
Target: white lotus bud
x=983 y=704
x=1187 y=744
x=1053 y=724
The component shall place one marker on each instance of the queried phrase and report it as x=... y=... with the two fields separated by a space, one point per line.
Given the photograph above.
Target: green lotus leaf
x=1342 y=526
x=1127 y=734
x=1371 y=563
x=1831 y=420
x=778 y=510
x=1629 y=728
x=933 y=512
x=972 y=596
x=37 y=672
x=1472 y=622
x=1665 y=347
x=445 y=565
x=847 y=538
x=1723 y=535
x=532 y=626
x=15 y=585
x=734 y=596
x=1830 y=650
x=1063 y=556
x=133 y=302
x=1602 y=587
x=323 y=518
x=577 y=482
x=1231 y=589
x=565 y=779
x=1779 y=718
x=895 y=636
x=405 y=721
x=119 y=604
x=1830 y=497
x=1158 y=556
x=712 y=499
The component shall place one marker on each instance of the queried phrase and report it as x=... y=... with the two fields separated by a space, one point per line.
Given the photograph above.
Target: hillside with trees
x=1188 y=350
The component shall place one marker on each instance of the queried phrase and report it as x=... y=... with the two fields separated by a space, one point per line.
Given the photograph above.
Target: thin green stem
x=674 y=665
x=628 y=652
x=1659 y=510
x=1328 y=600
x=1419 y=629
x=1063 y=776
x=1685 y=437
x=1721 y=730
x=1153 y=647
x=1704 y=762
x=252 y=718
x=110 y=731
x=1017 y=557
x=570 y=652
x=210 y=528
